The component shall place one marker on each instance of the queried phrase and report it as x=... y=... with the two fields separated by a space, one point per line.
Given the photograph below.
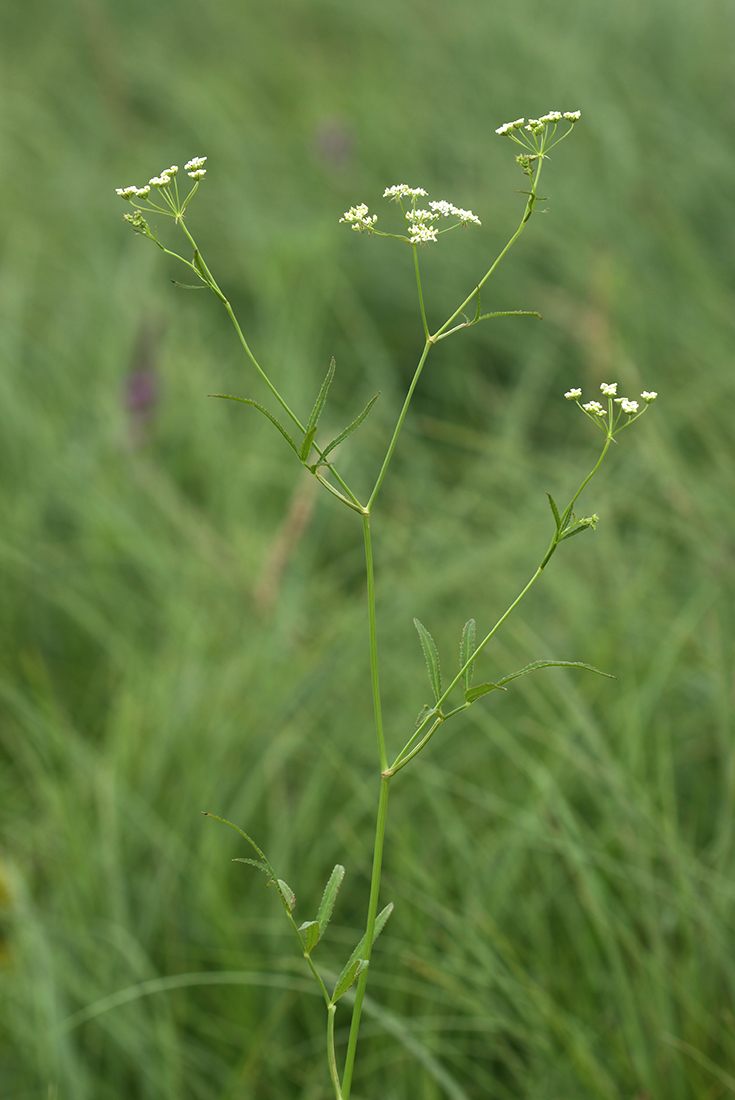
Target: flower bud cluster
x=595 y=410
x=402 y=190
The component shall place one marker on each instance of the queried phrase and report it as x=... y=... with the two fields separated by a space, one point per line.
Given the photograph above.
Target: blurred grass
x=562 y=863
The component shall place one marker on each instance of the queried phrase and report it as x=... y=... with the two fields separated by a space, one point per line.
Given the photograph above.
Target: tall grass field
x=183 y=620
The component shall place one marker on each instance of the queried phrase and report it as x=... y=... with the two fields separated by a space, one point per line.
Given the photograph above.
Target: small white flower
x=126 y=192
x=649 y=396
x=142 y=192
x=199 y=174
x=421 y=233
x=609 y=388
x=358 y=218
x=443 y=207
x=420 y=216
x=552 y=116
x=195 y=162
x=466 y=216
x=535 y=125
x=508 y=127
x=172 y=171
x=400 y=190
x=572 y=116
x=594 y=407
x=573 y=395
x=160 y=181
x=628 y=407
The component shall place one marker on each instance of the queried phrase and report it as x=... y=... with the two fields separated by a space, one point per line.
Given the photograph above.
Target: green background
x=183 y=620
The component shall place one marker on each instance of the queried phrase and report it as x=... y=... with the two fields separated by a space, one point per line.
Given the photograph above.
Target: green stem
x=374 y=643
x=427 y=334
x=399 y=425
x=369 y=933
x=330 y=1053
x=526 y=215
x=216 y=290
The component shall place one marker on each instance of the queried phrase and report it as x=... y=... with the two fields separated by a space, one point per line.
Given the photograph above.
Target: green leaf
x=199 y=265
x=432 y=658
x=351 y=427
x=466 y=649
x=247 y=401
x=356 y=956
x=585 y=523
x=477 y=311
x=253 y=863
x=347 y=977
x=554 y=664
x=329 y=897
x=188 y=286
x=555 y=510
x=316 y=412
x=425 y=710
x=482 y=689
x=245 y=836
x=287 y=894
x=313 y=935
x=306 y=445
x=512 y=312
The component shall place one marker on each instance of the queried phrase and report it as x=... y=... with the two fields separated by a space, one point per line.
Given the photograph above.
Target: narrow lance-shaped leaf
x=356 y=955
x=466 y=649
x=472 y=694
x=432 y=658
x=512 y=313
x=247 y=401
x=555 y=511
x=351 y=427
x=329 y=897
x=554 y=664
x=348 y=977
x=316 y=412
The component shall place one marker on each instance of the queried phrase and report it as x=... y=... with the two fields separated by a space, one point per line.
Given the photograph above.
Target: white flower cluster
x=538 y=125
x=193 y=168
x=446 y=209
x=421 y=222
x=508 y=127
x=402 y=190
x=358 y=218
x=609 y=390
x=129 y=193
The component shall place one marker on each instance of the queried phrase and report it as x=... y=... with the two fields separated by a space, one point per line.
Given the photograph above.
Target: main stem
x=369 y=933
x=382 y=814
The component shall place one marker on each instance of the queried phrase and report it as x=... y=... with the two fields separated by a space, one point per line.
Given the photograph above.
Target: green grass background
x=183 y=625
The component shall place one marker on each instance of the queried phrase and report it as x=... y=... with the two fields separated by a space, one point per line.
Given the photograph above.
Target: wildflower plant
x=422 y=222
